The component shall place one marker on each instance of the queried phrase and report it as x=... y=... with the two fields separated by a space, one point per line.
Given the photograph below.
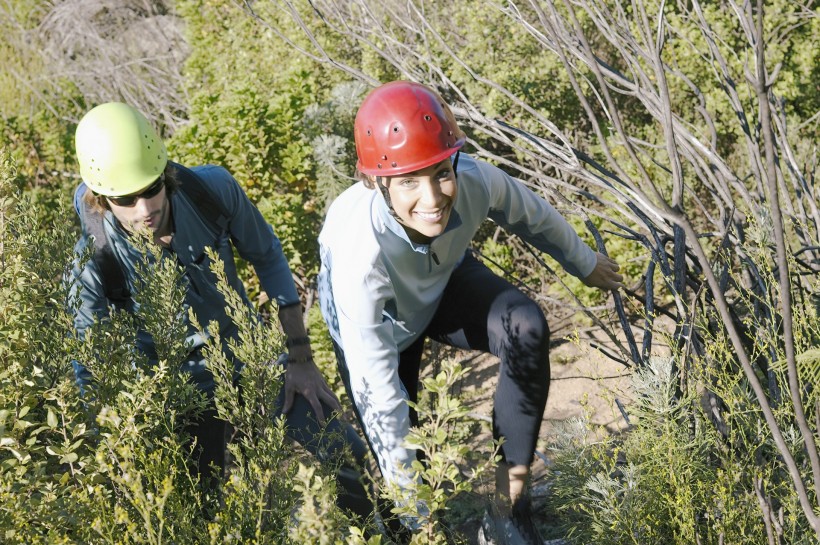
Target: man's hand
x=605 y=275
x=303 y=377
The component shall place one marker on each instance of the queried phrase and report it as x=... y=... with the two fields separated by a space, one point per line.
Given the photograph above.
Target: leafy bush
x=40 y=428
x=256 y=121
x=114 y=465
x=451 y=467
x=698 y=465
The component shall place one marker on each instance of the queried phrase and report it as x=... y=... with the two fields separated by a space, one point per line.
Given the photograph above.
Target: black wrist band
x=298 y=341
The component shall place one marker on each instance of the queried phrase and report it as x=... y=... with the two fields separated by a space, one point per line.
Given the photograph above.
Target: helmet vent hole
x=428 y=117
x=379 y=165
x=395 y=129
x=393 y=164
x=369 y=132
x=384 y=157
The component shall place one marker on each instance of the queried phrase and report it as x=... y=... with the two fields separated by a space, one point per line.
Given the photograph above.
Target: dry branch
x=687 y=202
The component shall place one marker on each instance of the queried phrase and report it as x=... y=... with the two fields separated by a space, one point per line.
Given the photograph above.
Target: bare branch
x=126 y=50
x=692 y=205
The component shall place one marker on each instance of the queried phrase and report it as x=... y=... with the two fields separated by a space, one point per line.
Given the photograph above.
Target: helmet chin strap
x=455 y=164
x=386 y=193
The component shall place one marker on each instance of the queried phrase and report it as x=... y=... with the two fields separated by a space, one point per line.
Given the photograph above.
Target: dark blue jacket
x=247 y=231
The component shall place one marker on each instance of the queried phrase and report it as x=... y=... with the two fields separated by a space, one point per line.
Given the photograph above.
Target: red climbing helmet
x=404 y=126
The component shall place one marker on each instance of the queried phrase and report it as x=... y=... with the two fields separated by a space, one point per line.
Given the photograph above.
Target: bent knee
x=517 y=320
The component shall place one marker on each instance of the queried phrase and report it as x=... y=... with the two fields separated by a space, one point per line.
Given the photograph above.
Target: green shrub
x=451 y=467
x=115 y=465
x=698 y=464
x=40 y=424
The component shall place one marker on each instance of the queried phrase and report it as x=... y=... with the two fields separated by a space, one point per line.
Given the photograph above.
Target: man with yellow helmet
x=130 y=185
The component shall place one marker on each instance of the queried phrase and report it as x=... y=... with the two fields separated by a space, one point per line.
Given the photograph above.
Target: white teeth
x=430 y=216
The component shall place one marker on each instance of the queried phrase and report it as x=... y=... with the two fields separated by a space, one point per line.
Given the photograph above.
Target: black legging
x=481 y=311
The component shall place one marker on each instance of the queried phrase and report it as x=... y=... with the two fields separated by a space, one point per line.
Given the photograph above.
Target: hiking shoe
x=516 y=529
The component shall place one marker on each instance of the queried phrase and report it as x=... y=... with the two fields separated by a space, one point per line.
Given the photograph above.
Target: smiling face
x=423 y=200
x=152 y=213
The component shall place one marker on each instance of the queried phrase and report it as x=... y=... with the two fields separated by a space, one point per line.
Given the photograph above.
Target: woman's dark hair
x=100 y=203
x=365 y=179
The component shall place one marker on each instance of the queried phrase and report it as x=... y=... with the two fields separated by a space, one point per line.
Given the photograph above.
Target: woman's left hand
x=605 y=275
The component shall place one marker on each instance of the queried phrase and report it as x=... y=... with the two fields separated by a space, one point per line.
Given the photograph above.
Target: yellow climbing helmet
x=119 y=151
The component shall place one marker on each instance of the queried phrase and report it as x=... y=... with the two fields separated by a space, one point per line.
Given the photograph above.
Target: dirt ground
x=583 y=381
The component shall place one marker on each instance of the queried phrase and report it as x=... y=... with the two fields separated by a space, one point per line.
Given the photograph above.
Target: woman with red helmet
x=396 y=270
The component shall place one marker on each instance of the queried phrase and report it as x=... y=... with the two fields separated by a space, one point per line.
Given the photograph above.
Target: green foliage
x=670 y=480
x=137 y=478
x=38 y=108
x=796 y=33
x=329 y=126
x=510 y=56
x=257 y=122
x=18 y=24
x=498 y=255
x=38 y=428
x=323 y=354
x=699 y=465
x=451 y=468
x=258 y=497
x=632 y=257
x=43 y=148
x=318 y=520
x=256 y=139
x=115 y=466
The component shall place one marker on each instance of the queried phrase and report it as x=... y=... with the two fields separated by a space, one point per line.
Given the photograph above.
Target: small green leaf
x=51 y=419
x=69 y=458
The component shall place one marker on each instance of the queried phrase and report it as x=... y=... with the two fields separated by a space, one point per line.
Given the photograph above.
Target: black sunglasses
x=151 y=191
